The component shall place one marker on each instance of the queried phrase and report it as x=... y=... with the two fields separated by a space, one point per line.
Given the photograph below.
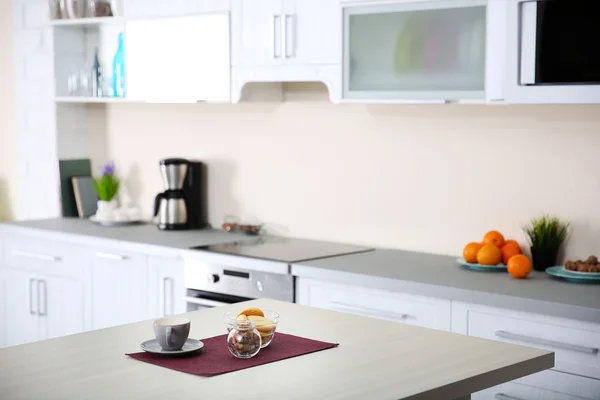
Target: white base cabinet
x=398 y=307
x=52 y=288
x=576 y=345
x=119 y=287
x=166 y=288
x=21 y=322
x=38 y=307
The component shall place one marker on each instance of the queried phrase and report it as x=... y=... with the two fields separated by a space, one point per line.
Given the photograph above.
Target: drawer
x=398 y=307
x=44 y=256
x=547 y=385
x=575 y=343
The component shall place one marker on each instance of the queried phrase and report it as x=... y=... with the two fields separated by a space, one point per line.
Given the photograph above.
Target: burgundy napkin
x=215 y=359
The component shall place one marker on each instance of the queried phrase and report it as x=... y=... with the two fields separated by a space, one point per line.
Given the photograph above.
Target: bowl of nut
x=264 y=321
x=591 y=266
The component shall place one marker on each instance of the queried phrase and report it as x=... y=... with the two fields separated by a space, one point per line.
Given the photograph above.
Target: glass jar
x=243 y=340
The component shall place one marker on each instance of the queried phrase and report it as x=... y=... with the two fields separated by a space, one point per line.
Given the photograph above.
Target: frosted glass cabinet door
x=181 y=60
x=428 y=50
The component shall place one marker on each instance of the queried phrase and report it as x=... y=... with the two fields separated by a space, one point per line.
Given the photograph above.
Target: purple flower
x=108 y=169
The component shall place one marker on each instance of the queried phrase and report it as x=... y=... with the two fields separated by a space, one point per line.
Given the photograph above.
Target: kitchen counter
x=387 y=360
x=395 y=270
x=441 y=276
x=143 y=234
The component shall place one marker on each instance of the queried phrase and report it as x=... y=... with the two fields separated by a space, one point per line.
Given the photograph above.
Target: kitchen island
x=375 y=359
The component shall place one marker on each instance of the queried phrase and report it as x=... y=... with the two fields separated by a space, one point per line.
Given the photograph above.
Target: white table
x=375 y=360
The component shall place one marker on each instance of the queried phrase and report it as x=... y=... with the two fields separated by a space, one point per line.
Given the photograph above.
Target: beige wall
x=7 y=114
x=417 y=177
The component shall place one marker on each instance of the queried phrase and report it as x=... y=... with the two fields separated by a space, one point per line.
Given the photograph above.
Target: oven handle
x=204 y=302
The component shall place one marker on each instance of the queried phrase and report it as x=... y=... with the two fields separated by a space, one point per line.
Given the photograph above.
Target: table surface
x=375 y=360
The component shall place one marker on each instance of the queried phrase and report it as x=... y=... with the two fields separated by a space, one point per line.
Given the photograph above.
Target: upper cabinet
x=178 y=59
x=285 y=41
x=416 y=51
x=552 y=51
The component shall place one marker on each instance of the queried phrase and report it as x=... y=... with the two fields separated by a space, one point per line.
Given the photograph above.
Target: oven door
x=199 y=300
x=552 y=51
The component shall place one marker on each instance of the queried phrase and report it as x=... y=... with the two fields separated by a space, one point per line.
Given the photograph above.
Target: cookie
x=254 y=311
x=241 y=317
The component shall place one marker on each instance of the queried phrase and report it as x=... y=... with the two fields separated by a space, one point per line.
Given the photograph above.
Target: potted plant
x=546 y=235
x=107 y=187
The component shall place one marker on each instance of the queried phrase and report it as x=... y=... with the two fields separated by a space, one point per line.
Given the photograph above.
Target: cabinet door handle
x=291 y=36
x=342 y=307
x=31 y=310
x=36 y=256
x=502 y=396
x=111 y=256
x=168 y=310
x=284 y=35
x=276 y=25
x=40 y=284
x=545 y=342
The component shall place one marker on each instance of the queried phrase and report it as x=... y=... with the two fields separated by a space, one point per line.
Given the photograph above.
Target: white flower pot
x=107 y=205
x=106 y=209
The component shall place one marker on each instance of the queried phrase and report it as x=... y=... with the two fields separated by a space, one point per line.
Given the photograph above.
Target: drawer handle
x=36 y=256
x=502 y=396
x=111 y=256
x=544 y=342
x=342 y=307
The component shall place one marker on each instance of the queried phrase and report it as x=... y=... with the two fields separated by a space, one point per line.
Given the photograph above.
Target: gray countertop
x=396 y=270
x=145 y=234
x=441 y=276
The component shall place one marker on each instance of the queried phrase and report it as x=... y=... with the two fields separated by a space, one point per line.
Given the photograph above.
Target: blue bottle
x=118 y=82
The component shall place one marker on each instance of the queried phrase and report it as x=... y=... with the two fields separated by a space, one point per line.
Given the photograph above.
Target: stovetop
x=289 y=250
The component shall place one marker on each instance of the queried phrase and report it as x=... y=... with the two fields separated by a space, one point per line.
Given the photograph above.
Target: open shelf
x=92 y=100
x=74 y=22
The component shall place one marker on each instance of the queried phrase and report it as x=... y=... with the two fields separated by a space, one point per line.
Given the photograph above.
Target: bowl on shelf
x=266 y=325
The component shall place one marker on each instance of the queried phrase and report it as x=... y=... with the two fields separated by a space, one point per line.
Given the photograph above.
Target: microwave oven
x=552 y=51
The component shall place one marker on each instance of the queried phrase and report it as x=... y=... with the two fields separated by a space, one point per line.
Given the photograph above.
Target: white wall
x=416 y=177
x=7 y=114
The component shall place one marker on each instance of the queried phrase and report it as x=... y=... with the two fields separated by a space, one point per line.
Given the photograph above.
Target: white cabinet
x=119 y=287
x=257 y=27
x=430 y=51
x=286 y=41
x=286 y=32
x=576 y=345
x=179 y=59
x=166 y=287
x=21 y=320
x=311 y=32
x=547 y=385
x=398 y=307
x=40 y=307
x=63 y=310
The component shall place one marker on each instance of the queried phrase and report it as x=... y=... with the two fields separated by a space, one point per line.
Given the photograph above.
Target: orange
x=470 y=252
x=510 y=241
x=519 y=266
x=489 y=254
x=494 y=237
x=509 y=250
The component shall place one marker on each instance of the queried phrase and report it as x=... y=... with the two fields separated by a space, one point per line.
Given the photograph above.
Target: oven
x=211 y=285
x=552 y=51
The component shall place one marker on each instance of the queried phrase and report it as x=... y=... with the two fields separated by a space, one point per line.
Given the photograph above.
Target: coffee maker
x=182 y=204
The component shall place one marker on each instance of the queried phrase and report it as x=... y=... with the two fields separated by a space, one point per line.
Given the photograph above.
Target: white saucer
x=190 y=346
